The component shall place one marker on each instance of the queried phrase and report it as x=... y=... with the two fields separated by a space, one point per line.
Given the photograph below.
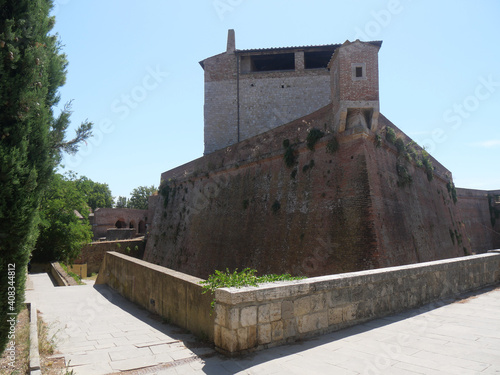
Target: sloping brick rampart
x=330 y=212
x=481 y=216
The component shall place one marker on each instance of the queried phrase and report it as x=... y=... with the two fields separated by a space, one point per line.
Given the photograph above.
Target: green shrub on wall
x=289 y=155
x=404 y=176
x=307 y=167
x=247 y=277
x=165 y=191
x=390 y=135
x=314 y=136
x=400 y=146
x=429 y=168
x=409 y=153
x=452 y=191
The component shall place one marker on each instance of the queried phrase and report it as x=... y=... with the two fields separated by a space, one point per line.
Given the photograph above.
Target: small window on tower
x=358 y=71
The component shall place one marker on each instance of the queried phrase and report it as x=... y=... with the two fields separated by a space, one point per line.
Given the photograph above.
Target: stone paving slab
x=101 y=333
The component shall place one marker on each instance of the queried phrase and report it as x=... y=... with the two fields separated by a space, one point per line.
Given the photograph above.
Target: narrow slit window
x=359 y=72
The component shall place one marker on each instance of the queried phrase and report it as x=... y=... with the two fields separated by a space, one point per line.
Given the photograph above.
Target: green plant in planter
x=246 y=277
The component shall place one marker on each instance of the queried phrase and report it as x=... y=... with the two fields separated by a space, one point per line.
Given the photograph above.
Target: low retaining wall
x=259 y=317
x=254 y=318
x=175 y=296
x=78 y=269
x=60 y=276
x=93 y=253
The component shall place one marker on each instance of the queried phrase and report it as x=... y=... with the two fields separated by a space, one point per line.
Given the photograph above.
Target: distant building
x=103 y=219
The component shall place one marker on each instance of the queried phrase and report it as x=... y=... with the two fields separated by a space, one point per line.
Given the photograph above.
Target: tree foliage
x=64 y=225
x=97 y=195
x=139 y=197
x=121 y=202
x=32 y=68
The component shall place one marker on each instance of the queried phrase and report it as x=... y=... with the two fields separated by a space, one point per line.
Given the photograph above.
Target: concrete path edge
x=34 y=365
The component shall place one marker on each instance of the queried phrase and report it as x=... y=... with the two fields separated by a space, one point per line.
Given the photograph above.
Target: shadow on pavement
x=217 y=364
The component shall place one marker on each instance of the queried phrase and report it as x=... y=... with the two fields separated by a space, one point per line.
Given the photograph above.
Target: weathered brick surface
x=330 y=213
x=481 y=216
x=106 y=218
x=341 y=64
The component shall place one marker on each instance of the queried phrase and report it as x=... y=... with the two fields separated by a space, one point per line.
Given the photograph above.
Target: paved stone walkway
x=101 y=333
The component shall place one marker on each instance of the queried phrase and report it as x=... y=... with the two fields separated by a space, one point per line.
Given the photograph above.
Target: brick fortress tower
x=249 y=92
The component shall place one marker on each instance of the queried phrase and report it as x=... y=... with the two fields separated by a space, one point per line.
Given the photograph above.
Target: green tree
x=98 y=195
x=121 y=202
x=32 y=68
x=64 y=225
x=139 y=197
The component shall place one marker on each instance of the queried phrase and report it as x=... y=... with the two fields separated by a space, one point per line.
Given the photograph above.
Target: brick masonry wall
x=116 y=234
x=329 y=213
x=343 y=88
x=364 y=89
x=230 y=214
x=477 y=212
x=413 y=223
x=254 y=318
x=105 y=218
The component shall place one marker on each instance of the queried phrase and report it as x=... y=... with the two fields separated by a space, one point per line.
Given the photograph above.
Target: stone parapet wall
x=173 y=295
x=255 y=318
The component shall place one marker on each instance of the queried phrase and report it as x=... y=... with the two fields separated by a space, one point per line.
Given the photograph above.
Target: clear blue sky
x=134 y=72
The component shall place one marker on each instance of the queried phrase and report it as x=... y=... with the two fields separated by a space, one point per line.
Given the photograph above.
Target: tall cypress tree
x=32 y=68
